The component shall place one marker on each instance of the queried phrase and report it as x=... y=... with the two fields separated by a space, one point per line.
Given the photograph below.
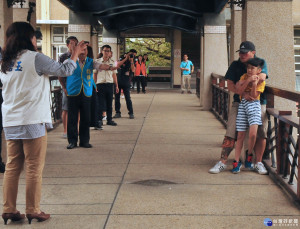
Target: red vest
x=140 y=69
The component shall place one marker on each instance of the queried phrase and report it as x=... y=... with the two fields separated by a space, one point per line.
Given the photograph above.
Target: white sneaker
x=219 y=167
x=104 y=118
x=260 y=168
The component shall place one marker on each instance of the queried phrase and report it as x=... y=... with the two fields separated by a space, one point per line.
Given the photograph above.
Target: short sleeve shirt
x=234 y=73
x=260 y=87
x=105 y=76
x=186 y=64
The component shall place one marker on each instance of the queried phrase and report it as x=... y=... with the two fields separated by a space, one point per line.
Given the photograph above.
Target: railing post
x=214 y=91
x=270 y=104
x=279 y=147
x=280 y=143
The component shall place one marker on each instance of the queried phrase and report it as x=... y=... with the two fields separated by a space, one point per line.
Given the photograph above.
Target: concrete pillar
x=111 y=38
x=79 y=26
x=269 y=25
x=46 y=42
x=6 y=18
x=176 y=59
x=94 y=45
x=236 y=32
x=44 y=10
x=213 y=55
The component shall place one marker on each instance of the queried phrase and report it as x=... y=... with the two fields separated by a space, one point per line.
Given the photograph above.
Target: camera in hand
x=131 y=55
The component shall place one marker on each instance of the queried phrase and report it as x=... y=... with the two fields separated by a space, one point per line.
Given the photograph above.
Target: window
x=297 y=50
x=59 y=34
x=58 y=50
x=297 y=56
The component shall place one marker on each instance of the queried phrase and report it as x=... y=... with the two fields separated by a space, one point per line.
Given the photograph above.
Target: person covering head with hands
x=63 y=82
x=26 y=115
x=80 y=88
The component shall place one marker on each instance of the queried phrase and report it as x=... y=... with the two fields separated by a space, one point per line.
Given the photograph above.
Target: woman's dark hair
x=142 y=58
x=18 y=38
x=90 y=53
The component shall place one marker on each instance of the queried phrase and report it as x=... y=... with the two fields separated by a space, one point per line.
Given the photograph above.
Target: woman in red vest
x=140 y=73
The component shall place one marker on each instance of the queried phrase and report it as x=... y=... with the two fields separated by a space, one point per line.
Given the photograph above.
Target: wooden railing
x=281 y=156
x=56 y=95
x=220 y=98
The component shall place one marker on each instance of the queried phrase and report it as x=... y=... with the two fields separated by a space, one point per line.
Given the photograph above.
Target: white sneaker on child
x=219 y=167
x=104 y=118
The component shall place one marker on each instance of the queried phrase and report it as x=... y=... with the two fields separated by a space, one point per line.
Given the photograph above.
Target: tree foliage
x=158 y=50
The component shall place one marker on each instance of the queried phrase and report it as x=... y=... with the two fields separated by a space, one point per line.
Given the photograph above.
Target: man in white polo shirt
x=105 y=81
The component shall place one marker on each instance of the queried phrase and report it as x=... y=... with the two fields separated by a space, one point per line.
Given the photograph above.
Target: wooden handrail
x=283 y=93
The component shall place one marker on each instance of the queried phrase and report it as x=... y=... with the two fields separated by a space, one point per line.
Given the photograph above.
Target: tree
x=158 y=50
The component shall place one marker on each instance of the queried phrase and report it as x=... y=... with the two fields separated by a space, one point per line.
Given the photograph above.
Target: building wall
x=20 y=14
x=51 y=10
x=51 y=14
x=58 y=11
x=38 y=10
x=296 y=12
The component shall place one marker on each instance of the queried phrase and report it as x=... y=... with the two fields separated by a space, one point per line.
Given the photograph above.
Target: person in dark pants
x=79 y=89
x=140 y=74
x=131 y=73
x=124 y=83
x=63 y=81
x=105 y=81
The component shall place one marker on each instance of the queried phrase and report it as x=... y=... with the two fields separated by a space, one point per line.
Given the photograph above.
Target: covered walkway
x=152 y=172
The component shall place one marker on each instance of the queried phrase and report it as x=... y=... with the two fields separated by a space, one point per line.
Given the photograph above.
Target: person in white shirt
x=26 y=114
x=105 y=81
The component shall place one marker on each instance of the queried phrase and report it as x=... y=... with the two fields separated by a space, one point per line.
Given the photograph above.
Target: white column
x=236 y=32
x=111 y=38
x=176 y=59
x=214 y=60
x=79 y=26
